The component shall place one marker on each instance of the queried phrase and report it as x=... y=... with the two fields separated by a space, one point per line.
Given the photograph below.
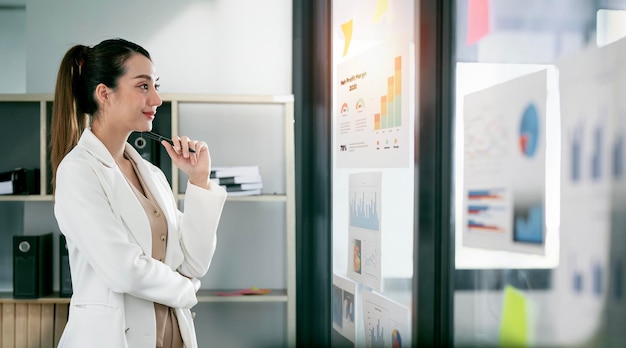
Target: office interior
x=486 y=137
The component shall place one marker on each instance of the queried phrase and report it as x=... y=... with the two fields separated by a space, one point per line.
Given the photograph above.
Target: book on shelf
x=243 y=187
x=244 y=192
x=239 y=179
x=224 y=172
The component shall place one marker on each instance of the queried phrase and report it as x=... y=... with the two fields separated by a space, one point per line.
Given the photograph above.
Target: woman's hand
x=197 y=165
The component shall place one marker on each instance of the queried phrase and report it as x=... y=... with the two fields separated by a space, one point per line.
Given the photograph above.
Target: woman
x=134 y=257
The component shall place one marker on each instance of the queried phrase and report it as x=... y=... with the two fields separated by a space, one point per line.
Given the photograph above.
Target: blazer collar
x=96 y=148
x=131 y=210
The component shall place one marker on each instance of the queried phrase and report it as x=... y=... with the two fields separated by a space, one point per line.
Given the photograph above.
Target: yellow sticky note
x=346 y=28
x=381 y=8
x=514 y=324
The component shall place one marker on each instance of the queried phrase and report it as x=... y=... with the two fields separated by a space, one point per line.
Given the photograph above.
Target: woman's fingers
x=171 y=149
x=188 y=148
x=182 y=145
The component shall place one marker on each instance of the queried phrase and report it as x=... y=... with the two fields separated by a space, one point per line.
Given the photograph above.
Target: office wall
x=211 y=46
x=198 y=46
x=12 y=50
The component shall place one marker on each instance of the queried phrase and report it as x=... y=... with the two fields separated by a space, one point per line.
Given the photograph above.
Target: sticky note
x=477 y=20
x=381 y=8
x=514 y=323
x=346 y=28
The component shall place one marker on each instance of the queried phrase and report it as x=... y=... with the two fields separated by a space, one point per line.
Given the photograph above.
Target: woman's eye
x=144 y=86
x=157 y=86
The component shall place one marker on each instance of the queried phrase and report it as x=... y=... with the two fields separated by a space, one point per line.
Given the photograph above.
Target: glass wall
x=373 y=116
x=540 y=192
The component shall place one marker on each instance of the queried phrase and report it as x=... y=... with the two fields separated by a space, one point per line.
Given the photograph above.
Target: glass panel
x=540 y=191
x=373 y=141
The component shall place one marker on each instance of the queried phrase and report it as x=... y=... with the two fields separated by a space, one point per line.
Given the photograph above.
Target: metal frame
x=433 y=285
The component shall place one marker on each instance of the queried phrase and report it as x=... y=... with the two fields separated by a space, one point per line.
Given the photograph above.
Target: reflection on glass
x=571 y=294
x=373 y=172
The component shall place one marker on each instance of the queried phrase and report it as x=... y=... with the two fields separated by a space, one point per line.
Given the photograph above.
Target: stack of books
x=238 y=180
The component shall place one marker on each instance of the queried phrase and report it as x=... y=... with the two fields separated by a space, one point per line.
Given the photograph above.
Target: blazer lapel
x=124 y=200
x=132 y=213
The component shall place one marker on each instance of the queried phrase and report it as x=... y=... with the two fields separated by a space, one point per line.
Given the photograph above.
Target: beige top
x=167 y=331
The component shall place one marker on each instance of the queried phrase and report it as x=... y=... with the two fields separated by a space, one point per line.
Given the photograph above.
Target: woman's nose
x=155 y=99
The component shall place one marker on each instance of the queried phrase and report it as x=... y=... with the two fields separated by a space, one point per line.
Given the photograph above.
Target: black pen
x=160 y=138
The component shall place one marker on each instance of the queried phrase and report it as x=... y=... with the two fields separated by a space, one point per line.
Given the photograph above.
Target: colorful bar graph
x=391 y=104
x=398 y=91
x=475 y=225
x=383 y=112
x=484 y=194
x=477 y=209
x=364 y=211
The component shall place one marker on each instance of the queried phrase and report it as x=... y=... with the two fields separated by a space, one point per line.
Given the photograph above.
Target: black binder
x=22 y=181
x=147 y=148
x=65 y=276
x=32 y=266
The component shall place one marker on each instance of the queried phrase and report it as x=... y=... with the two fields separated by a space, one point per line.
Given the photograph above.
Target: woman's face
x=134 y=102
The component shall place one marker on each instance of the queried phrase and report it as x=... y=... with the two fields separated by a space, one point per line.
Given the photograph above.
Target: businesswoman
x=134 y=257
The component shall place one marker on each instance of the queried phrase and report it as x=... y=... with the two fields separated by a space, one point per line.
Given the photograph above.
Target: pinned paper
x=514 y=325
x=477 y=20
x=381 y=8
x=347 y=34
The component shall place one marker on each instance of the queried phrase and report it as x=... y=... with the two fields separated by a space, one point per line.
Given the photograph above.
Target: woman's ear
x=102 y=94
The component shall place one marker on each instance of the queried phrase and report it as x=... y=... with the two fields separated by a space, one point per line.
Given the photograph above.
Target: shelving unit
x=171 y=125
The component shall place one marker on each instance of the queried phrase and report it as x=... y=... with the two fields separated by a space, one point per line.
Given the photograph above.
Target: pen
x=159 y=138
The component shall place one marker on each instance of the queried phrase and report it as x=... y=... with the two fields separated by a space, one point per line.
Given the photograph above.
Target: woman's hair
x=82 y=69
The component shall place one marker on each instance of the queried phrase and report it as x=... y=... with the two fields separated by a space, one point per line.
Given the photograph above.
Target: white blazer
x=115 y=280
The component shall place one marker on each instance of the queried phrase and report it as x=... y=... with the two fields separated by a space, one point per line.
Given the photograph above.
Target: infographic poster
x=372 y=117
x=504 y=166
x=365 y=205
x=617 y=244
x=344 y=306
x=590 y=159
x=385 y=322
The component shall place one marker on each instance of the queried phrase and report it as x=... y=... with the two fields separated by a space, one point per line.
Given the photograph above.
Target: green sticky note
x=514 y=325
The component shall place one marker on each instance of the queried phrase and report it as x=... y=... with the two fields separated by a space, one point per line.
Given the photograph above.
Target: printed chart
x=529 y=131
x=504 y=165
x=365 y=202
x=488 y=210
x=372 y=127
x=386 y=323
x=344 y=307
x=590 y=142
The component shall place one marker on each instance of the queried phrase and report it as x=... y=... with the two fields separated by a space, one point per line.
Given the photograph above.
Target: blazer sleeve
x=85 y=215
x=198 y=227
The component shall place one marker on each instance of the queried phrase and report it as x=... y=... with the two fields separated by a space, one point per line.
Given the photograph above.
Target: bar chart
x=390 y=114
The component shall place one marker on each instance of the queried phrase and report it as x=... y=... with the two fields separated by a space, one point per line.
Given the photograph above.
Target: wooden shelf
x=204 y=295
x=25 y=198
x=7 y=297
x=255 y=198
x=181 y=196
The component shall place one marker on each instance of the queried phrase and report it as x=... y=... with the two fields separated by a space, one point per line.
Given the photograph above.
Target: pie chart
x=529 y=131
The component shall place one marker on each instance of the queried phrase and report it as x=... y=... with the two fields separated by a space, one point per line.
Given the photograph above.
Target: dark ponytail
x=82 y=69
x=67 y=123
